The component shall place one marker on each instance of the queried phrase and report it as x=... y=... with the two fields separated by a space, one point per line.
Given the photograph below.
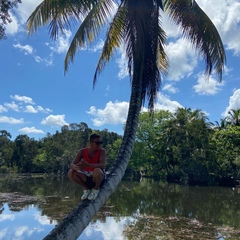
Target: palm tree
x=234 y=117
x=136 y=24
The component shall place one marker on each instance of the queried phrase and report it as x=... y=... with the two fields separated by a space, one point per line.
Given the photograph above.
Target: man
x=87 y=169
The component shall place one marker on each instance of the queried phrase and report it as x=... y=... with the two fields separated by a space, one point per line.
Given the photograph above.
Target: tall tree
x=136 y=24
x=5 y=7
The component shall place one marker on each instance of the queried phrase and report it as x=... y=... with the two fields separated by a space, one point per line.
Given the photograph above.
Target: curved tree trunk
x=76 y=221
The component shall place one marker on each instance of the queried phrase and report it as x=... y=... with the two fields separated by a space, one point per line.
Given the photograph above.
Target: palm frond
x=114 y=39
x=60 y=14
x=89 y=28
x=201 y=32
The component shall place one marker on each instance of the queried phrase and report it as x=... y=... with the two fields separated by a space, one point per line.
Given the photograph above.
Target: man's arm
x=77 y=160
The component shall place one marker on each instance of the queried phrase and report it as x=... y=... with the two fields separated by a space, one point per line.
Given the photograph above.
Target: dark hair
x=93 y=136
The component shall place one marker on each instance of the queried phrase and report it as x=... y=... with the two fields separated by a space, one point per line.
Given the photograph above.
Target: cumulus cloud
x=225 y=16
x=13 y=106
x=28 y=130
x=4 y=217
x=62 y=42
x=21 y=14
x=170 y=88
x=22 y=99
x=164 y=103
x=182 y=59
x=207 y=86
x=54 y=120
x=19 y=105
x=116 y=112
x=234 y=102
x=2 y=109
x=113 y=113
x=11 y=120
x=31 y=109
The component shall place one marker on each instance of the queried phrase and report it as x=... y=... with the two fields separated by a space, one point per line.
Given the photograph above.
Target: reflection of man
x=87 y=169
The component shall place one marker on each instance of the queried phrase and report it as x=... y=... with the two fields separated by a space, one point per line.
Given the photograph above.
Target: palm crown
x=135 y=24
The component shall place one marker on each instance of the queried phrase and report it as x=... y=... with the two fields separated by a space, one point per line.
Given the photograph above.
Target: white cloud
x=12 y=27
x=54 y=120
x=3 y=233
x=21 y=230
x=182 y=59
x=164 y=103
x=2 y=109
x=234 y=102
x=22 y=99
x=62 y=42
x=13 y=106
x=113 y=113
x=4 y=217
x=98 y=46
x=170 y=88
x=44 y=220
x=207 y=86
x=225 y=15
x=122 y=63
x=31 y=109
x=27 y=49
x=28 y=130
x=10 y=120
x=111 y=229
x=21 y=14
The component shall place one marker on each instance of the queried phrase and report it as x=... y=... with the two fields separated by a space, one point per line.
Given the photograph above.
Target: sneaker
x=85 y=194
x=93 y=194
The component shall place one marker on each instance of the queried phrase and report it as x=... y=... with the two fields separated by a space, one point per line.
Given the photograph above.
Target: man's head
x=95 y=139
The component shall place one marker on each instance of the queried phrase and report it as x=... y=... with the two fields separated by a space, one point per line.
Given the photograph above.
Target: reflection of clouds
x=111 y=229
x=20 y=231
x=44 y=220
x=4 y=217
x=3 y=233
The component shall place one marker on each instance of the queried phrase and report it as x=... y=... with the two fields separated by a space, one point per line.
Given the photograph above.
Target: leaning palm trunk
x=76 y=221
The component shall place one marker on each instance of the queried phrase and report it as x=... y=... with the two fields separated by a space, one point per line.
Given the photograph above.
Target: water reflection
x=31 y=206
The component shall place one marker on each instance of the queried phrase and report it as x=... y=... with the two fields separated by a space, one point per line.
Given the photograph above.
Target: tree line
x=178 y=147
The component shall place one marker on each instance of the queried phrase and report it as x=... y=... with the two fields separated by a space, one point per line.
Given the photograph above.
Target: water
x=30 y=207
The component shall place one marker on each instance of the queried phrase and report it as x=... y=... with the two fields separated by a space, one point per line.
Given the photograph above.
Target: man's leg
x=78 y=178
x=98 y=177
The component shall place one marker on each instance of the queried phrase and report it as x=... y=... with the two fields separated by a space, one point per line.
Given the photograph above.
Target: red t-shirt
x=93 y=160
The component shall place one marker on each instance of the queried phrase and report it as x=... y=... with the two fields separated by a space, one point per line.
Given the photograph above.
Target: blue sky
x=36 y=98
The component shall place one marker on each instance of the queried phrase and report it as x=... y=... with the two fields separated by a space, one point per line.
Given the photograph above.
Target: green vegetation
x=177 y=147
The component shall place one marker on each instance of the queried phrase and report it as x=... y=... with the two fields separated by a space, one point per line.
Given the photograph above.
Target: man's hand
x=74 y=166
x=83 y=163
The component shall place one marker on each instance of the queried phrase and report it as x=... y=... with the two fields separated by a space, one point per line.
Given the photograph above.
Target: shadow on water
x=137 y=210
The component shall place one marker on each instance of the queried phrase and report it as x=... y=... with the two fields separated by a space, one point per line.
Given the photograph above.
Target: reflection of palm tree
x=136 y=24
x=1 y=208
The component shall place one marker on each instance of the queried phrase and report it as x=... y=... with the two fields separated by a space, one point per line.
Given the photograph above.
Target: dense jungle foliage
x=177 y=147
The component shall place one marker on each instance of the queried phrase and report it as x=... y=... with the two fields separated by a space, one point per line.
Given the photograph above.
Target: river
x=30 y=207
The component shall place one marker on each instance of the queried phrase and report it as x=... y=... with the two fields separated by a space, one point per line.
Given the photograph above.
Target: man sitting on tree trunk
x=88 y=168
